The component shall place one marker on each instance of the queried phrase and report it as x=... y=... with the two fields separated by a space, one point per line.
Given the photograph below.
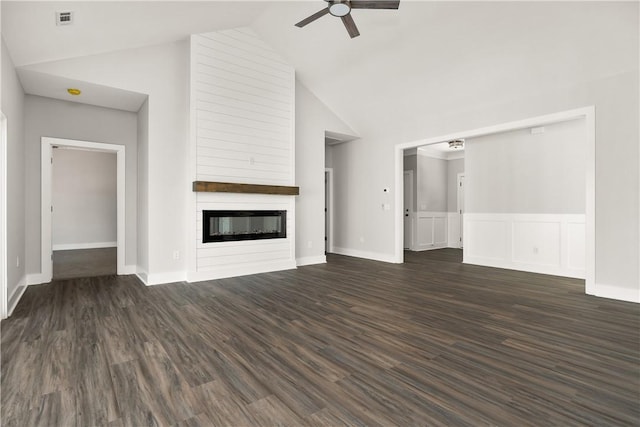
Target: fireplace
x=228 y=226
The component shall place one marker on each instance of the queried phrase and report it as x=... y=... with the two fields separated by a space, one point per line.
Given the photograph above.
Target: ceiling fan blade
x=313 y=17
x=347 y=20
x=373 y=4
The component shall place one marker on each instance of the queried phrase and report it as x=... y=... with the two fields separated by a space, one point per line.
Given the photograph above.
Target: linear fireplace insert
x=227 y=226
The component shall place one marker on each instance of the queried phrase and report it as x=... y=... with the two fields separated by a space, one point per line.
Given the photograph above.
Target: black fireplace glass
x=227 y=226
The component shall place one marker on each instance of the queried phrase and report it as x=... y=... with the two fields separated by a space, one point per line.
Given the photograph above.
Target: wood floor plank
x=270 y=411
x=95 y=395
x=221 y=407
x=431 y=342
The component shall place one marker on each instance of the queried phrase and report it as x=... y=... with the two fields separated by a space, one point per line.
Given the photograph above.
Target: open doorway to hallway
x=527 y=199
x=433 y=197
x=82 y=208
x=84 y=214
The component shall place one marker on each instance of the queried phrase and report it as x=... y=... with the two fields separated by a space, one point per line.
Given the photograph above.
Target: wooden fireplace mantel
x=230 y=187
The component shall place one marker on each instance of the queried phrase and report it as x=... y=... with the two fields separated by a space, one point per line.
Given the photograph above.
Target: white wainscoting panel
x=536 y=242
x=541 y=243
x=486 y=239
x=431 y=230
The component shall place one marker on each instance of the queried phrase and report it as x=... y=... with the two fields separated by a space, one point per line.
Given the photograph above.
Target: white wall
x=243 y=116
x=525 y=200
x=161 y=72
x=83 y=191
x=313 y=118
x=521 y=172
x=70 y=120
x=13 y=109
x=475 y=96
x=142 y=202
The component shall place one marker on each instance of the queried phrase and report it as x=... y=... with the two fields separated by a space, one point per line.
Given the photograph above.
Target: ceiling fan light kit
x=342 y=9
x=339 y=9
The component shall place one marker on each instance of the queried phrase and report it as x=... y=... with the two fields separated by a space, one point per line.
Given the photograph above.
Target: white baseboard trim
x=310 y=260
x=17 y=293
x=529 y=268
x=73 y=246
x=162 y=278
x=36 y=279
x=616 y=292
x=375 y=256
x=240 y=270
x=431 y=248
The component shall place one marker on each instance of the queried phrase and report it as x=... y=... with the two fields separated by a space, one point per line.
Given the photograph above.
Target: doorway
x=328 y=210
x=81 y=255
x=586 y=114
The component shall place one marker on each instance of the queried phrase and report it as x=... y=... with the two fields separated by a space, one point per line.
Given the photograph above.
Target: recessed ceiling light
x=73 y=91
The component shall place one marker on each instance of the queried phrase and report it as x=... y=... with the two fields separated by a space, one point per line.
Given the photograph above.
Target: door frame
x=4 y=297
x=329 y=214
x=46 y=182
x=460 y=178
x=411 y=216
x=586 y=113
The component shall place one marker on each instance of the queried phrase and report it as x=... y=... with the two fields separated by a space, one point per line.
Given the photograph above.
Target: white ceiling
x=51 y=86
x=432 y=59
x=407 y=66
x=32 y=36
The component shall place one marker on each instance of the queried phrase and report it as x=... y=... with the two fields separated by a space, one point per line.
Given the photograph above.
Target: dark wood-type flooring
x=78 y=263
x=353 y=342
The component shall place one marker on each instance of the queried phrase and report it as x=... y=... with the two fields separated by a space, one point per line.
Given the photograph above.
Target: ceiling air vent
x=64 y=18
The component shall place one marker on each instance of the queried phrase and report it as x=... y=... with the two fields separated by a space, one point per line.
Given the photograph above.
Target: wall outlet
x=17 y=261
x=176 y=255
x=535 y=250
x=309 y=244
x=361 y=239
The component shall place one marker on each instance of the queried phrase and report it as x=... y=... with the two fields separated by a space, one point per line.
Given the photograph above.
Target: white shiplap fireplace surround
x=242 y=103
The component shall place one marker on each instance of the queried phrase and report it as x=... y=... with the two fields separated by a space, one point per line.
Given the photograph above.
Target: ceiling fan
x=342 y=10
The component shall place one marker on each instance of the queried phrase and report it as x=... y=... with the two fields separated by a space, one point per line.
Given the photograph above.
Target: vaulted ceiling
x=425 y=58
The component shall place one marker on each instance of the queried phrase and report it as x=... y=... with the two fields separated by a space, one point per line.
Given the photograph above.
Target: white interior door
x=461 y=205
x=408 y=209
